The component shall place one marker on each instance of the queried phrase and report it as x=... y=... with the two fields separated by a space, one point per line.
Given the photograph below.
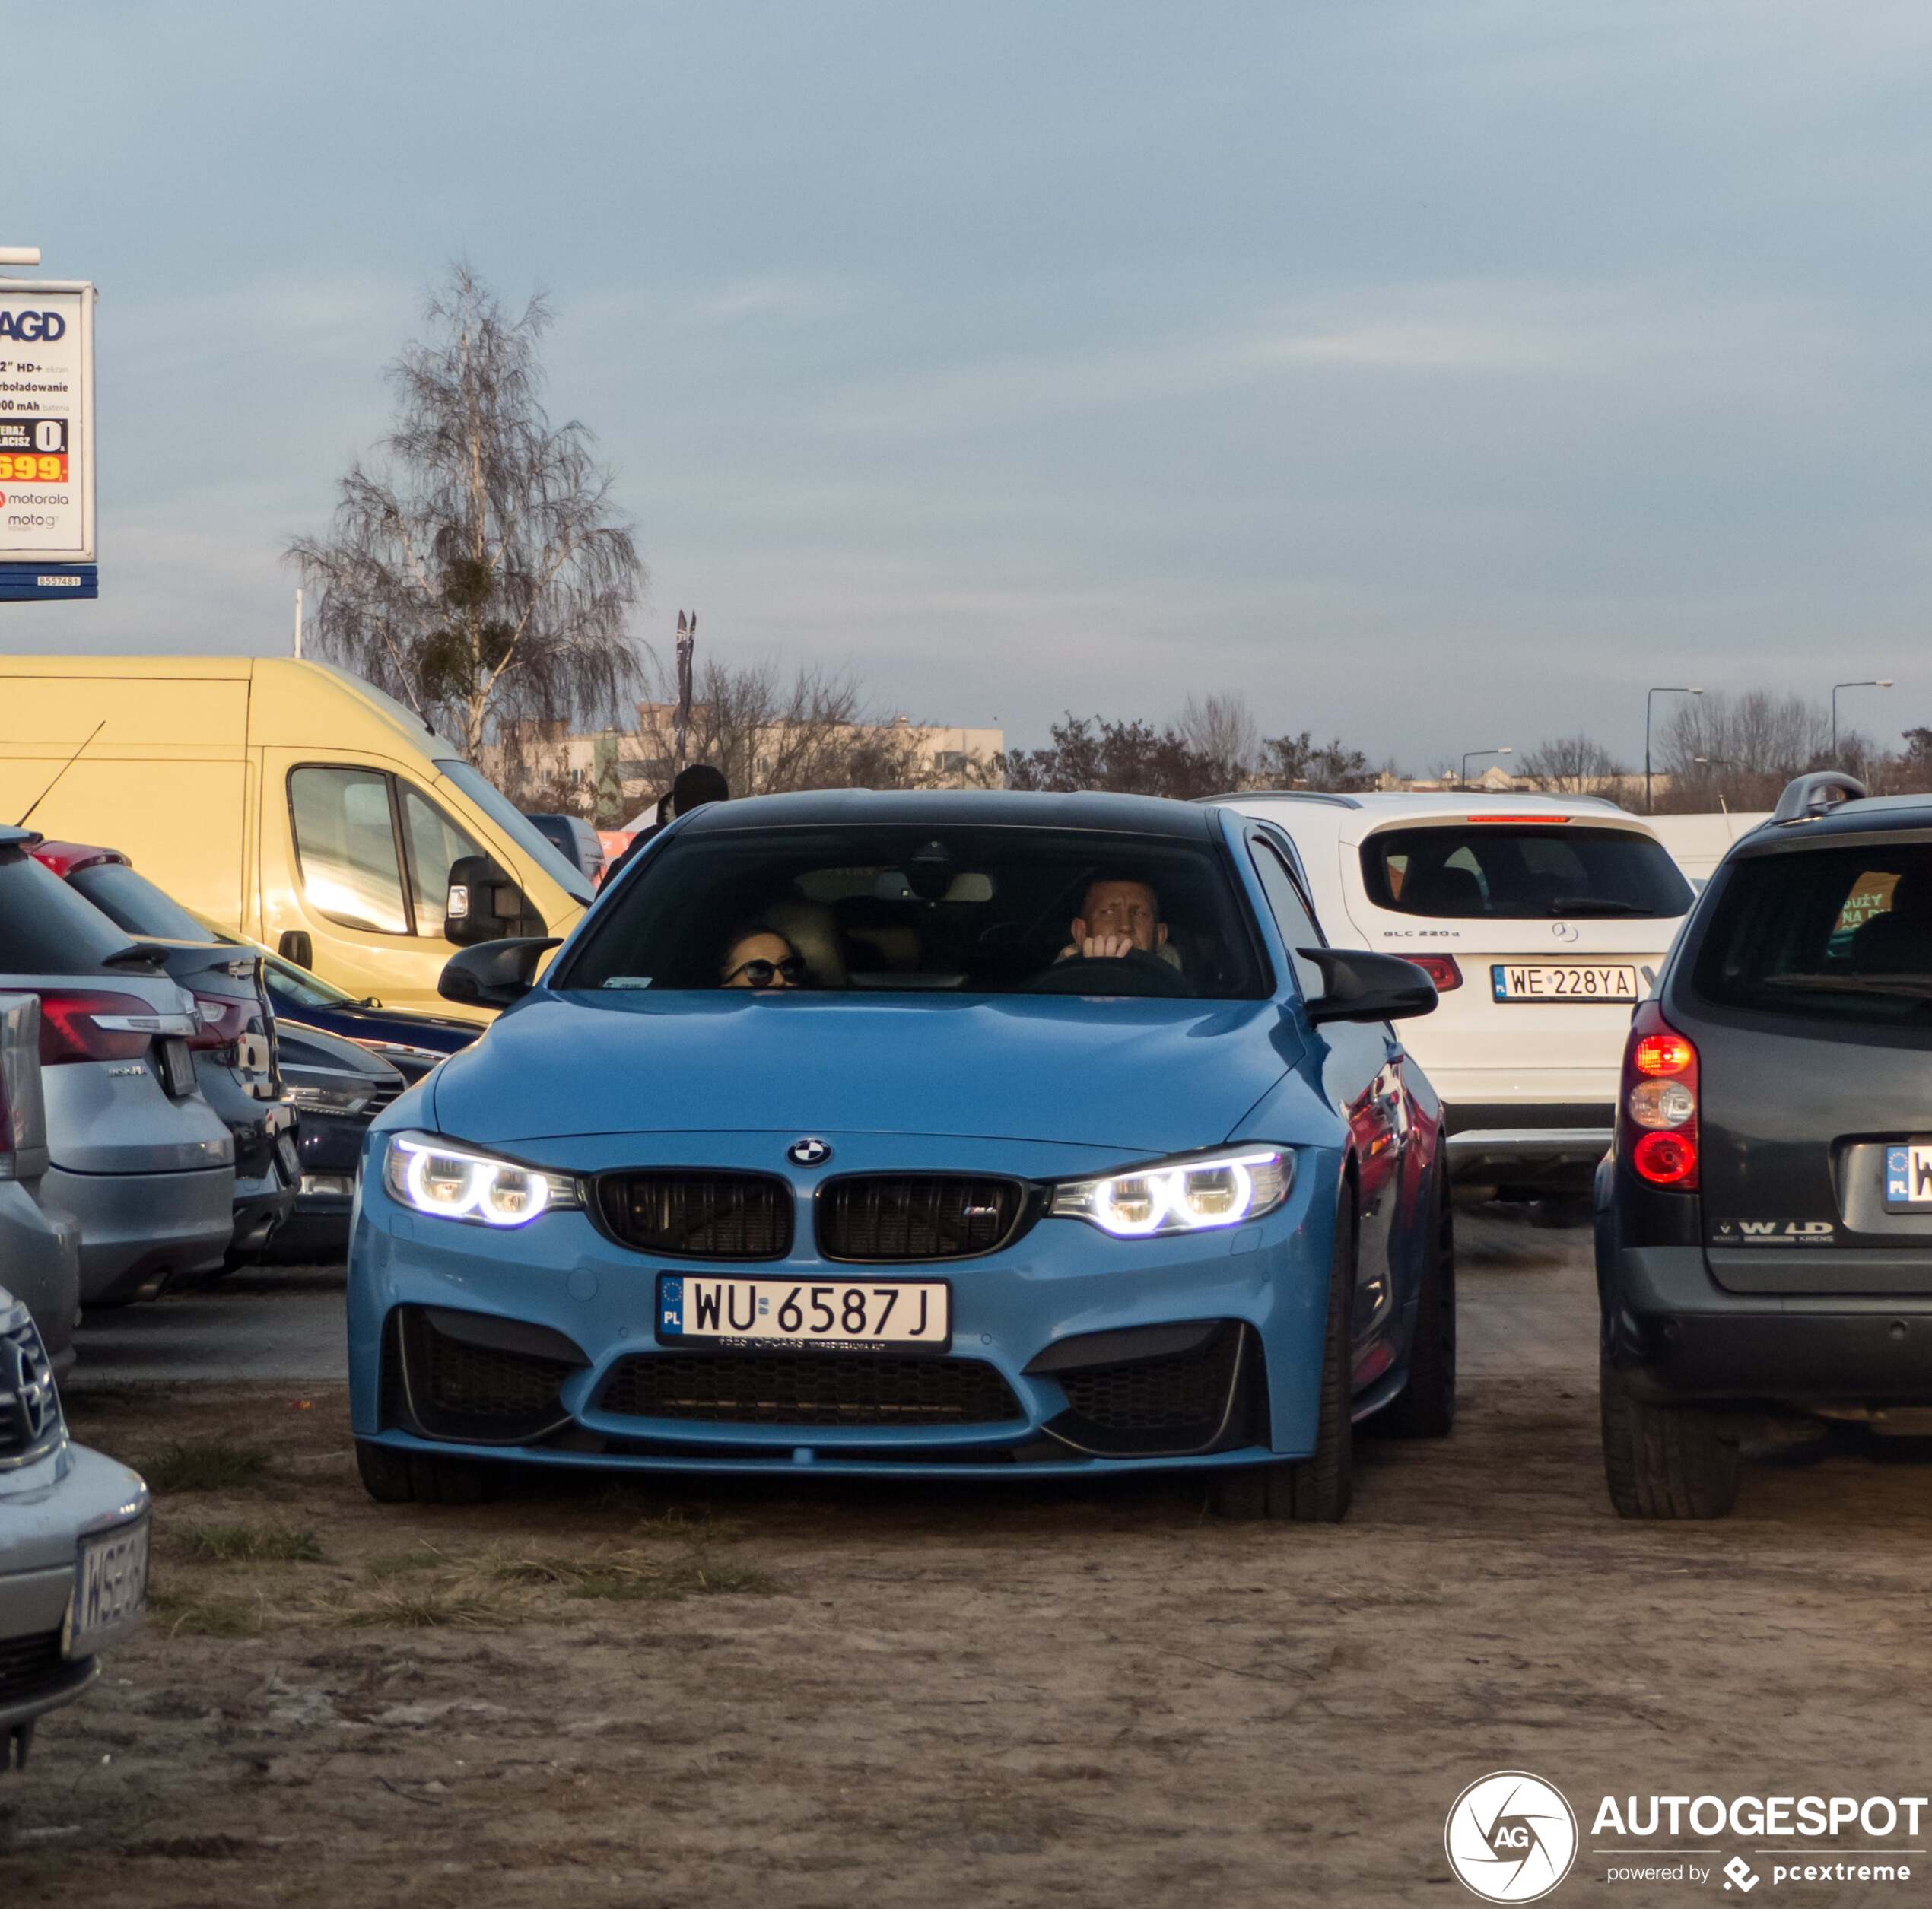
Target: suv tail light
x=84 y=1025
x=224 y=1021
x=1657 y=1118
x=1441 y=969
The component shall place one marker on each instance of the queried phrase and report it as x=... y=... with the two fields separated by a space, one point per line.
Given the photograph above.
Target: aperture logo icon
x=1511 y=1837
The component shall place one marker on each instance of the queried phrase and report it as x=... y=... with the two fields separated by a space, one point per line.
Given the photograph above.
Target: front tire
x=1665 y=1461
x=1426 y=1406
x=1316 y=1490
x=393 y=1477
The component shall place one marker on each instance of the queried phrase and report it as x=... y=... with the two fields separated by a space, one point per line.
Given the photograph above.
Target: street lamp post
x=1868 y=682
x=1469 y=755
x=1661 y=689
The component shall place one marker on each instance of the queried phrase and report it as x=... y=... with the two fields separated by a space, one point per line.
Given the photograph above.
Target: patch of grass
x=464 y=1605
x=399 y=1563
x=250 y=1544
x=638 y=1580
x=205 y=1465
x=205 y=1617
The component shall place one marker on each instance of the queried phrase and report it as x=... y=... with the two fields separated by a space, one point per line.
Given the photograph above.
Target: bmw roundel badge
x=809 y=1152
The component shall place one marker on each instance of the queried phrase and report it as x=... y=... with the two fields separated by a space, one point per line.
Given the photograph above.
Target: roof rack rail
x=1806 y=798
x=1327 y=796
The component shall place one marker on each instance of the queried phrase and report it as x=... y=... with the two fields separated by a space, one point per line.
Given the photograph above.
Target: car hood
x=1147 y=1077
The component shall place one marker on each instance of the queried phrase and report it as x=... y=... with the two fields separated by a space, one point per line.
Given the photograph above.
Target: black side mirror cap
x=295 y=946
x=1359 y=985
x=494 y=974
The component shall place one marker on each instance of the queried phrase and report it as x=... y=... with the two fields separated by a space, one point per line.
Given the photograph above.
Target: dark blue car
x=962 y=1135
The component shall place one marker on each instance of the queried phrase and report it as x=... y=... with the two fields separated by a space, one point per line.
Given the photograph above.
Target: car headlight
x=430 y=1176
x=1191 y=1195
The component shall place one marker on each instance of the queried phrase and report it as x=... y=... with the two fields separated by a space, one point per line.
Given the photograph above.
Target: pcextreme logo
x=1511 y=1837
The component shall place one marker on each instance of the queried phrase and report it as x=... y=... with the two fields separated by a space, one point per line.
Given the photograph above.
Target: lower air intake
x=809 y=1388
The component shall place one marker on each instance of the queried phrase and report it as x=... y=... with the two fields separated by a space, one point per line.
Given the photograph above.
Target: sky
x=1437 y=376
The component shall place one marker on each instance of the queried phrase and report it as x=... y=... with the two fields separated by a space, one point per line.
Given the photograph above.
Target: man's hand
x=1097 y=948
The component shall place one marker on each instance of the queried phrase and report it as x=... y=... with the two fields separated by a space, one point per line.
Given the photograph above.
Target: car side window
x=1292 y=914
x=435 y=842
x=345 y=848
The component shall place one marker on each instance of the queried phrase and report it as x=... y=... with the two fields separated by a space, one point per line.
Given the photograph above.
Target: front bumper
x=1060 y=1342
x=1679 y=1337
x=134 y=1226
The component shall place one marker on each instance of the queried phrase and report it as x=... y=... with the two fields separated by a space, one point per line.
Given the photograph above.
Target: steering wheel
x=1136 y=974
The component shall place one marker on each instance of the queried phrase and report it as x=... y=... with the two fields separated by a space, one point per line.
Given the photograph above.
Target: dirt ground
x=838 y=1694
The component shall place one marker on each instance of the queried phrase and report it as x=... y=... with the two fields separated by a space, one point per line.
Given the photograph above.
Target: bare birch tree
x=477 y=571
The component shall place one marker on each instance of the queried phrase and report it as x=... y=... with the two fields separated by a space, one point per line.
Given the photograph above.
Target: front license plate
x=1514 y=981
x=1908 y=1177
x=916 y=1314
x=110 y=1588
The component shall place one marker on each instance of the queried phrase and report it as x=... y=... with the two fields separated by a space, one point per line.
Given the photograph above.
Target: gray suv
x=39 y=1245
x=137 y=1155
x=73 y=1544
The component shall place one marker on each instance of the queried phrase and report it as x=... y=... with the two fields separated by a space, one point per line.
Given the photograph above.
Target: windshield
x=1826 y=934
x=517 y=826
x=976 y=910
x=132 y=901
x=1500 y=872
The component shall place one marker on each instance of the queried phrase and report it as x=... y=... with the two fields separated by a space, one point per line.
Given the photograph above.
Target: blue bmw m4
x=944 y=1135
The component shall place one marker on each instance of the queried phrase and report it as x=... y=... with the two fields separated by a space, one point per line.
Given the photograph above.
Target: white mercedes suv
x=1543 y=921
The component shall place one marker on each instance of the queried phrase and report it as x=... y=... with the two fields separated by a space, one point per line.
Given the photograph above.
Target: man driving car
x=1118 y=917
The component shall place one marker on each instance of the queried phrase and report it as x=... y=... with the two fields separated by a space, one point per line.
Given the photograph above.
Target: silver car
x=40 y=1244
x=73 y=1544
x=137 y=1156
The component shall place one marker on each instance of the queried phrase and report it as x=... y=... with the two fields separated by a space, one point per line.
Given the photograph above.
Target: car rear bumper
x=40 y=1266
x=1678 y=1336
x=134 y=1226
x=1490 y=1139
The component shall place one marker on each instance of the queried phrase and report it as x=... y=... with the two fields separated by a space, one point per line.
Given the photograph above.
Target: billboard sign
x=46 y=440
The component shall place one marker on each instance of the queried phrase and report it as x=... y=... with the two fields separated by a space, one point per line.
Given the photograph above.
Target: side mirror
x=1358 y=985
x=496 y=975
x=295 y=946
x=482 y=903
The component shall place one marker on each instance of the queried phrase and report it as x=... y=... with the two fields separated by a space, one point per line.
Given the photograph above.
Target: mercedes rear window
x=46 y=928
x=1521 y=872
x=1841 y=933
x=132 y=901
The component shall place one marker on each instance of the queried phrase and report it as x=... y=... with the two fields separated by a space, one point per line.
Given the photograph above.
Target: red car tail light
x=1441 y=969
x=84 y=1024
x=224 y=1020
x=1657 y=1117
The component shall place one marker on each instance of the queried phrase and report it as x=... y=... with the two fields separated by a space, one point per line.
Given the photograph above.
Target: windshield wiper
x=1594 y=905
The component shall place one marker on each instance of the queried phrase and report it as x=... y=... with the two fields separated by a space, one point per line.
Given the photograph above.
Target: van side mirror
x=482 y=903
x=1360 y=986
x=295 y=946
x=498 y=974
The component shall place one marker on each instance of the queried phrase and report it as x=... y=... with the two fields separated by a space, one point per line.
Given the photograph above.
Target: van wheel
x=1426 y=1406
x=1665 y=1461
x=393 y=1477
x=1316 y=1490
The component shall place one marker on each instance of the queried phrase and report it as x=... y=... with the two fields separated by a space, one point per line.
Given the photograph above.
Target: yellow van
x=288 y=801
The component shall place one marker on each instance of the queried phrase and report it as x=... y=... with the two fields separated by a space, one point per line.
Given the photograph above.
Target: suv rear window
x=1841 y=933
x=1505 y=872
x=46 y=928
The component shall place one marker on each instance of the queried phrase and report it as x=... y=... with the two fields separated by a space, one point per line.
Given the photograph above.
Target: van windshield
x=516 y=825
x=1521 y=872
x=1841 y=934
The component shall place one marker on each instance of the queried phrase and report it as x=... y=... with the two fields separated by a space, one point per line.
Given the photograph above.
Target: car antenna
x=61 y=771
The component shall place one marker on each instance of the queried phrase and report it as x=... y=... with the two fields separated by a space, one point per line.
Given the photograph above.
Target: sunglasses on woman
x=762 y=974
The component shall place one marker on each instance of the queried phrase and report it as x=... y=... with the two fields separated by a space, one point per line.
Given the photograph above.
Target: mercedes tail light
x=84 y=1024
x=1441 y=969
x=1656 y=1119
